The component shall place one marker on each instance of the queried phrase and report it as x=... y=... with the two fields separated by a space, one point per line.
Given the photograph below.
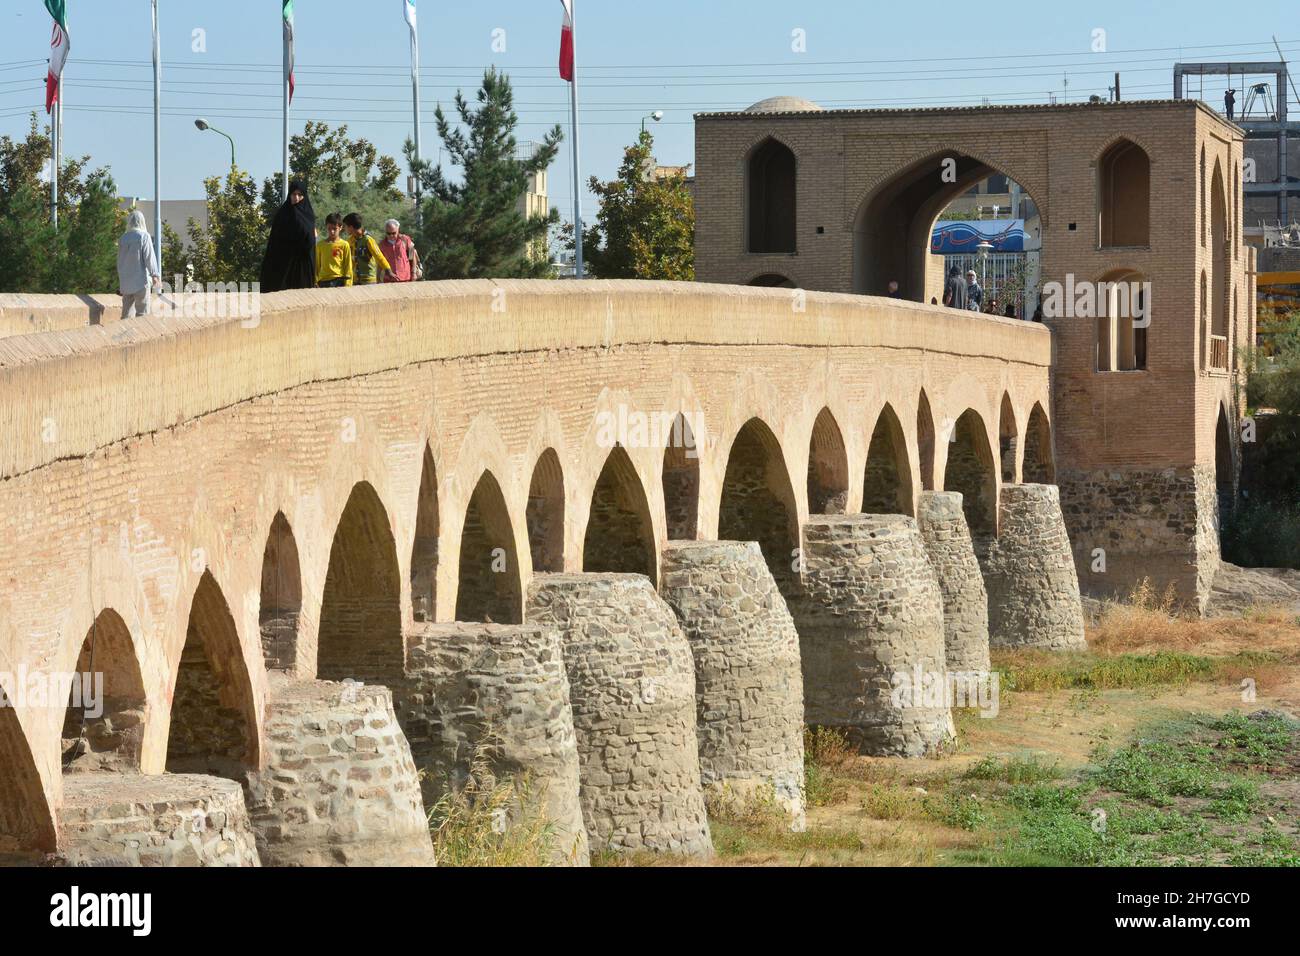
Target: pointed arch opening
x=971 y=470
x=279 y=614
x=828 y=467
x=1219 y=272
x=26 y=822
x=681 y=482
x=771 y=198
x=620 y=535
x=545 y=514
x=894 y=237
x=489 y=588
x=1039 y=466
x=361 y=609
x=1124 y=190
x=213 y=719
x=925 y=442
x=103 y=726
x=758 y=502
x=424 y=549
x=1225 y=471
x=887 y=485
x=1008 y=439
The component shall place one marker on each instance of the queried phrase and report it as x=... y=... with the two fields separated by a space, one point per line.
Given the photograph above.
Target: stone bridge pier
x=1029 y=570
x=870 y=621
x=485 y=701
x=632 y=683
x=748 y=683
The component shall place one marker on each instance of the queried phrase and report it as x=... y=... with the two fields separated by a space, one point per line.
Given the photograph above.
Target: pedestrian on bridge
x=954 y=292
x=137 y=266
x=290 y=261
x=399 y=249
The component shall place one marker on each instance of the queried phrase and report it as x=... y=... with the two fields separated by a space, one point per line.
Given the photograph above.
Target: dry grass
x=1148 y=622
x=492 y=821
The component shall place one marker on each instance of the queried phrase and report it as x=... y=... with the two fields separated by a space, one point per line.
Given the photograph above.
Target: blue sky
x=673 y=55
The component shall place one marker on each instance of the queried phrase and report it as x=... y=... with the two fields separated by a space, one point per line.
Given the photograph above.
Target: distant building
x=176 y=213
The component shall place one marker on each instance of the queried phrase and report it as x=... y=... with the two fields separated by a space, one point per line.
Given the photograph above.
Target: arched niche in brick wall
x=925 y=441
x=1039 y=466
x=887 y=484
x=771 y=198
x=545 y=513
x=828 y=467
x=279 y=615
x=103 y=726
x=1124 y=195
x=972 y=471
x=26 y=823
x=1008 y=439
x=489 y=585
x=424 y=549
x=360 y=634
x=681 y=482
x=620 y=535
x=758 y=502
x=213 y=718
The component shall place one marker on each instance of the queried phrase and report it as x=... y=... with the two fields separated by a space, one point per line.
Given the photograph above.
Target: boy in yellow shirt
x=368 y=260
x=334 y=256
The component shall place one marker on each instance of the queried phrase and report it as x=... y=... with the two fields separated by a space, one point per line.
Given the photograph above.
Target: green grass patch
x=1182 y=792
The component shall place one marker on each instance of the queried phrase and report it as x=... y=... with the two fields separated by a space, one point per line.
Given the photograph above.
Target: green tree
x=89 y=241
x=646 y=226
x=231 y=247
x=81 y=255
x=331 y=163
x=474 y=229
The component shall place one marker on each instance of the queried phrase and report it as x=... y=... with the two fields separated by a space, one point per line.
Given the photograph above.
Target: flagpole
x=285 y=91
x=415 y=100
x=54 y=156
x=577 y=175
x=157 y=139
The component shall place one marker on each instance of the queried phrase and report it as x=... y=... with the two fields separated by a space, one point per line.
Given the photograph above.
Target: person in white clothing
x=137 y=266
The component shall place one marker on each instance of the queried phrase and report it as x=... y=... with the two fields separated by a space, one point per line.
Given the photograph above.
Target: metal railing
x=1219 y=352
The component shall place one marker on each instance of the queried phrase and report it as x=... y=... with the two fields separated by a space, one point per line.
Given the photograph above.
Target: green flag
x=58 y=50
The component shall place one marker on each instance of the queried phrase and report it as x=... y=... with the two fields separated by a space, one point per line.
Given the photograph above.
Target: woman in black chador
x=290 y=261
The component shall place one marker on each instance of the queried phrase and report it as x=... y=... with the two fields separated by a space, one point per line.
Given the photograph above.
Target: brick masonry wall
x=632 y=685
x=748 y=682
x=870 y=613
x=500 y=694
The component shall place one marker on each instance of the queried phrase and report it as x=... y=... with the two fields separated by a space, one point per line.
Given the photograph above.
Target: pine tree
x=646 y=226
x=81 y=255
x=474 y=229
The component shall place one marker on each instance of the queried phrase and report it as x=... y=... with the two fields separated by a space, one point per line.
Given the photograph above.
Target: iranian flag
x=288 y=46
x=566 y=42
x=58 y=50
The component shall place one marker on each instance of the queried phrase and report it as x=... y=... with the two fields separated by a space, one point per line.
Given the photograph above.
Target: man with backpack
x=399 y=250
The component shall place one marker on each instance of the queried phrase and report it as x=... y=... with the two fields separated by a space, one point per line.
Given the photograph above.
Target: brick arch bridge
x=291 y=495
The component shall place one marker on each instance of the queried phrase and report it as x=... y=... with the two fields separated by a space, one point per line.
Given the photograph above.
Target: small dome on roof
x=784 y=104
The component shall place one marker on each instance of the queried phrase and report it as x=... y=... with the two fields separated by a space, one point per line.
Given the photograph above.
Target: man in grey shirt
x=954 y=292
x=137 y=266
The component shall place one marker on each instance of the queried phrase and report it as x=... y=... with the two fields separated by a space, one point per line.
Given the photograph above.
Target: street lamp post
x=657 y=115
x=203 y=124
